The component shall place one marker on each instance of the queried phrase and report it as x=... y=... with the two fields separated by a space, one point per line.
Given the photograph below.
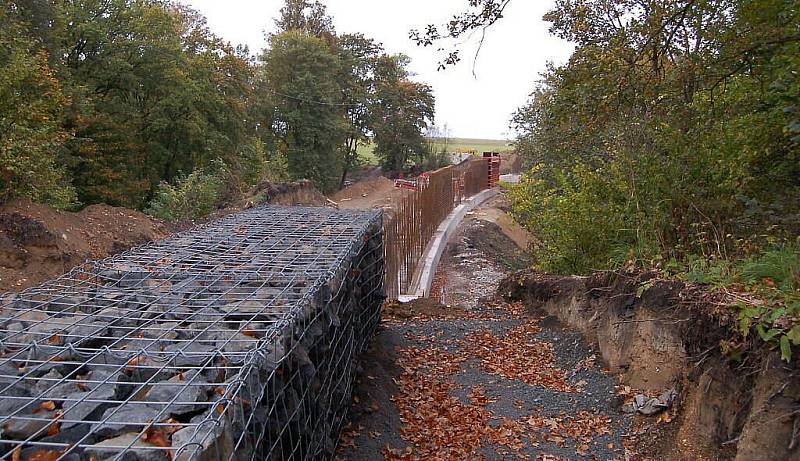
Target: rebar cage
x=235 y=340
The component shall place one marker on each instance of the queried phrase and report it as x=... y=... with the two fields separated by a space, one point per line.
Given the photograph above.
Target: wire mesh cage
x=235 y=340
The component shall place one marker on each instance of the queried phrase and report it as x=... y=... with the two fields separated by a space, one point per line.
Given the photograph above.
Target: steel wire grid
x=236 y=340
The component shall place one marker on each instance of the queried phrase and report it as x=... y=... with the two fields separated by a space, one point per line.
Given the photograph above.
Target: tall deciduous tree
x=301 y=72
x=358 y=57
x=157 y=94
x=31 y=111
x=402 y=111
x=117 y=97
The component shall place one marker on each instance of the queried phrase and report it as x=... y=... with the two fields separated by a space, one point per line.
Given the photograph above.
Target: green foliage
x=31 y=110
x=781 y=266
x=434 y=158
x=670 y=139
x=309 y=127
x=103 y=101
x=643 y=150
x=189 y=197
x=173 y=105
x=358 y=57
x=401 y=114
x=437 y=149
x=771 y=280
x=572 y=212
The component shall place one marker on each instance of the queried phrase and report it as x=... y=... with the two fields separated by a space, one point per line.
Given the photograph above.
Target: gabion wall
x=236 y=340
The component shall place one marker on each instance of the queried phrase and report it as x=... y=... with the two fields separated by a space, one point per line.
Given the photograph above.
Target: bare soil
x=38 y=243
x=657 y=334
x=496 y=211
x=371 y=192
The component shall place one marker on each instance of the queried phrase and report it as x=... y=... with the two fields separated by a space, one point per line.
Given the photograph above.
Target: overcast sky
x=516 y=50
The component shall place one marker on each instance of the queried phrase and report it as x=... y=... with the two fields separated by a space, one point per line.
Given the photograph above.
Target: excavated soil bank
x=38 y=243
x=662 y=335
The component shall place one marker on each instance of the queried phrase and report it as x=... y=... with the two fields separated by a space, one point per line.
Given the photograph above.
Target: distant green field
x=365 y=151
x=453 y=145
x=479 y=145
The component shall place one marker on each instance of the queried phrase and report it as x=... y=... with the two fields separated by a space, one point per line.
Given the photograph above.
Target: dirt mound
x=289 y=194
x=373 y=192
x=298 y=193
x=661 y=335
x=489 y=238
x=38 y=243
x=497 y=210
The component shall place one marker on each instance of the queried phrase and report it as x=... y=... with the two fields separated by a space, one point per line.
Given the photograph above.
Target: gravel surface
x=561 y=405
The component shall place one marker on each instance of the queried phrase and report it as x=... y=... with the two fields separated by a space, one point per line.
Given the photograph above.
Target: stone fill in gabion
x=233 y=341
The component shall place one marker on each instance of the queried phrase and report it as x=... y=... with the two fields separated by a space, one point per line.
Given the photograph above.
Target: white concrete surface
x=423 y=276
x=511 y=177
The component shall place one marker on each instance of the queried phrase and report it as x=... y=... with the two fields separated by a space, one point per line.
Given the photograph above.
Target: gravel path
x=480 y=379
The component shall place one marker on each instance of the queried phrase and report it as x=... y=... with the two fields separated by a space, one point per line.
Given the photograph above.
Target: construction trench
x=266 y=335
x=235 y=340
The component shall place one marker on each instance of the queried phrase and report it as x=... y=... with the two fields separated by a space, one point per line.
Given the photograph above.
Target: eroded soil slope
x=38 y=243
x=734 y=399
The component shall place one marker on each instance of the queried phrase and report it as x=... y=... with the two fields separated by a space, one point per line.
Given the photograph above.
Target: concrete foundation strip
x=423 y=275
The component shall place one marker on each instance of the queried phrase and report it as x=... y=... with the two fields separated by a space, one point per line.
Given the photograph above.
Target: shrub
x=587 y=218
x=190 y=197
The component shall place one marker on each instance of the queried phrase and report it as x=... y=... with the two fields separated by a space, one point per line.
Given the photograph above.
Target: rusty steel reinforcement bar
x=423 y=275
x=418 y=215
x=237 y=340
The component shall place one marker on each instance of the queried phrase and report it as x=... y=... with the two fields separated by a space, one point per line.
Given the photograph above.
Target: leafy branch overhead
x=479 y=16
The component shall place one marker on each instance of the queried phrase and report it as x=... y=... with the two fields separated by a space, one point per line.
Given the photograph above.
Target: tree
x=437 y=152
x=156 y=95
x=667 y=135
x=31 y=110
x=301 y=72
x=308 y=16
x=402 y=111
x=117 y=101
x=358 y=57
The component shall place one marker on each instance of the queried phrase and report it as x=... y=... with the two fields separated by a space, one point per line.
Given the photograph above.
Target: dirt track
x=374 y=192
x=478 y=378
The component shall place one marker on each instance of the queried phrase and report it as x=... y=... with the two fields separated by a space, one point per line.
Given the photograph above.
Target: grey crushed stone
x=471 y=277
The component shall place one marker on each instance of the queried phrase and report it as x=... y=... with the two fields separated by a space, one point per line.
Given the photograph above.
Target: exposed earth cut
x=501 y=364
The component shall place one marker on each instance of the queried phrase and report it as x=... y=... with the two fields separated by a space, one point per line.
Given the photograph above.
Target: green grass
x=478 y=145
x=771 y=281
x=367 y=154
x=453 y=145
